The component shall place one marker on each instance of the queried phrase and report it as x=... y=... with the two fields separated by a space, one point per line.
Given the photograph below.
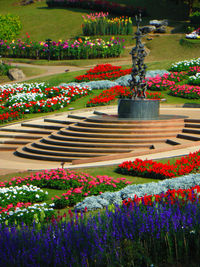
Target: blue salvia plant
x=134 y=235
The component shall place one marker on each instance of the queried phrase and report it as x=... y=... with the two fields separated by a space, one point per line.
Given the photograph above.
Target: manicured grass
x=42 y=22
x=168 y=47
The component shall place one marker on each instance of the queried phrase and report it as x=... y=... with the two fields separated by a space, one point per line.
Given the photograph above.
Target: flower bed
x=195 y=79
x=145 y=235
x=115 y=92
x=18 y=99
x=156 y=170
x=185 y=91
x=26 y=213
x=82 y=48
x=21 y=194
x=159 y=83
x=78 y=186
x=185 y=65
x=100 y=24
x=182 y=196
x=103 y=72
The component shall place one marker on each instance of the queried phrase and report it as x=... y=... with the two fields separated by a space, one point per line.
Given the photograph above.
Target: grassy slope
x=43 y=23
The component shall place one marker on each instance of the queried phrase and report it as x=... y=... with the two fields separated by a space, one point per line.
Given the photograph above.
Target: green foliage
x=4 y=68
x=195 y=17
x=10 y=27
x=102 y=25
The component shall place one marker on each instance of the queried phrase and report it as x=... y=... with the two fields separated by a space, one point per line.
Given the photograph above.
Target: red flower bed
x=103 y=72
x=10 y=116
x=157 y=170
x=169 y=197
x=114 y=92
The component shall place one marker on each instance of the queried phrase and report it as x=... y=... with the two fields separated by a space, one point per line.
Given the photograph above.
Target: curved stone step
x=193 y=131
x=19 y=136
x=123 y=130
x=26 y=130
x=193 y=120
x=49 y=140
x=192 y=125
x=114 y=136
x=193 y=137
x=32 y=149
x=107 y=150
x=17 y=142
x=85 y=123
x=58 y=136
x=49 y=126
x=67 y=122
x=25 y=154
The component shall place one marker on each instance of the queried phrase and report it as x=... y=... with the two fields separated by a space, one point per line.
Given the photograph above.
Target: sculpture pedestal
x=141 y=109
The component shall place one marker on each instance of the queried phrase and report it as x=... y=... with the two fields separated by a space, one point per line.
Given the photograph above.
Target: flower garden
x=40 y=220
x=82 y=48
x=153 y=226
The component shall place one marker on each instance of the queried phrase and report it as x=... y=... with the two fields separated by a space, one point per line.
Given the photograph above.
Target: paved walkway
x=10 y=163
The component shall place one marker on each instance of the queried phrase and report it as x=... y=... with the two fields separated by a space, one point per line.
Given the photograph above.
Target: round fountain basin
x=140 y=109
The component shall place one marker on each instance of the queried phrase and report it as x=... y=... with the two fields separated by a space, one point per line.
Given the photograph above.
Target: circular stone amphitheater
x=92 y=137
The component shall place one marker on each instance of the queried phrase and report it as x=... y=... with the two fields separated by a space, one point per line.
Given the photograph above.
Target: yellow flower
x=60 y=41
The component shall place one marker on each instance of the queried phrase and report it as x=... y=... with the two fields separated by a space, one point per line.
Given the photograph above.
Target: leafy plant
x=10 y=27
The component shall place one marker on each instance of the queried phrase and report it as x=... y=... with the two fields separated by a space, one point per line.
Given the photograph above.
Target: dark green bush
x=10 y=27
x=4 y=68
x=195 y=18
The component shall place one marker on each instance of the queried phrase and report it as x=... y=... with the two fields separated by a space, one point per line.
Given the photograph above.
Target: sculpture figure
x=138 y=53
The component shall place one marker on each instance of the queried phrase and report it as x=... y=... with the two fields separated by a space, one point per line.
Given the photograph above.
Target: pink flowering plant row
x=185 y=91
x=77 y=186
x=36 y=97
x=82 y=48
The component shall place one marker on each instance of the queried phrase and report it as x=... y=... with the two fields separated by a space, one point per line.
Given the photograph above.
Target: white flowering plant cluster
x=184 y=65
x=19 y=204
x=28 y=214
x=194 y=34
x=23 y=193
x=194 y=79
x=38 y=97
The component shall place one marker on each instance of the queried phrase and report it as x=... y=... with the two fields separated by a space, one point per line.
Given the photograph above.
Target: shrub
x=195 y=17
x=4 y=68
x=10 y=27
x=105 y=6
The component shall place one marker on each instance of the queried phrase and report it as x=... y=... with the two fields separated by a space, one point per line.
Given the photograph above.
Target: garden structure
x=137 y=129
